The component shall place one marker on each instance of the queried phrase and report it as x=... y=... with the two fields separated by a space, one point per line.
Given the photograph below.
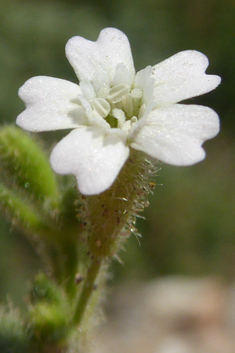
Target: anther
x=117 y=92
x=127 y=105
x=101 y=106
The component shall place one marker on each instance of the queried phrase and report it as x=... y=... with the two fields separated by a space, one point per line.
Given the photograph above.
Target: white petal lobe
x=93 y=157
x=50 y=105
x=97 y=62
x=175 y=134
x=182 y=76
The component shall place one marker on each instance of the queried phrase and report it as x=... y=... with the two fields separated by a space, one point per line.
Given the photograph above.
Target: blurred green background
x=190 y=226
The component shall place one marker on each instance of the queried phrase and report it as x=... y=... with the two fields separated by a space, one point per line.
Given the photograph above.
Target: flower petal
x=175 y=134
x=93 y=157
x=182 y=76
x=50 y=105
x=96 y=62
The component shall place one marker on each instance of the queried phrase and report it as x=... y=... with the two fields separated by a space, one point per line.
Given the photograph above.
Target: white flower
x=114 y=109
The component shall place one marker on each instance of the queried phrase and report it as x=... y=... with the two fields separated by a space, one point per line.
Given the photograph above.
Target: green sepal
x=25 y=164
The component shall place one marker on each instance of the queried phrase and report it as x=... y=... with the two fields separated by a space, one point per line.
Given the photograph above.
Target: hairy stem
x=110 y=219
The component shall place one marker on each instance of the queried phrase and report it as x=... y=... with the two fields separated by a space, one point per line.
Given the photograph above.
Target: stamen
x=127 y=105
x=126 y=126
x=136 y=94
x=120 y=116
x=134 y=119
x=101 y=106
x=117 y=92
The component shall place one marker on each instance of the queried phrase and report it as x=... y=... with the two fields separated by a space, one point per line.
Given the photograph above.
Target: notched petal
x=95 y=158
x=182 y=76
x=175 y=134
x=97 y=62
x=51 y=104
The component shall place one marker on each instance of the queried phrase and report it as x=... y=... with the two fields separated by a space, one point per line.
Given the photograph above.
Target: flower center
x=121 y=107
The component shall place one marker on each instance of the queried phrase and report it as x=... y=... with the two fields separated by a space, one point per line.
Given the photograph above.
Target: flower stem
x=110 y=220
x=87 y=291
x=71 y=267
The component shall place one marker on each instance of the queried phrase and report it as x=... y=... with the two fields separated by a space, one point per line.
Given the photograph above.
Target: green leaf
x=49 y=311
x=24 y=163
x=19 y=211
